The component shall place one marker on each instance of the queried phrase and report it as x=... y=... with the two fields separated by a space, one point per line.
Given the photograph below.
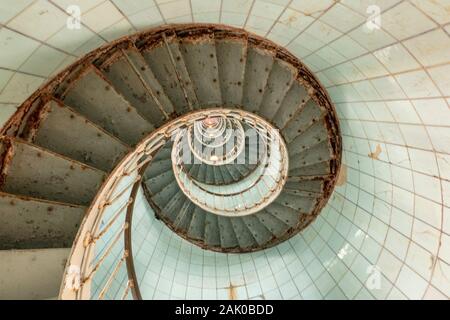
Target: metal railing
x=101 y=257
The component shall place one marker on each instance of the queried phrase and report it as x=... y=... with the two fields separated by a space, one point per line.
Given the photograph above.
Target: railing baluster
x=112 y=276
x=127 y=290
x=129 y=186
x=106 y=254
x=111 y=222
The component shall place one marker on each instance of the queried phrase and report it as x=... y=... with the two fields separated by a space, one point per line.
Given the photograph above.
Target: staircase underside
x=62 y=143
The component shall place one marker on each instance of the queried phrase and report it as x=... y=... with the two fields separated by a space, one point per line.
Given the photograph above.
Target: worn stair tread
x=257 y=71
x=316 y=154
x=160 y=62
x=227 y=236
x=231 y=57
x=200 y=59
x=315 y=186
x=209 y=177
x=288 y=215
x=276 y=226
x=218 y=179
x=185 y=215
x=28 y=223
x=127 y=80
x=66 y=132
x=322 y=169
x=292 y=103
x=96 y=99
x=151 y=81
x=212 y=230
x=278 y=84
x=158 y=167
x=233 y=172
x=184 y=77
x=166 y=194
x=309 y=114
x=299 y=203
x=196 y=228
x=226 y=176
x=40 y=173
x=243 y=234
x=314 y=135
x=157 y=183
x=260 y=233
x=173 y=207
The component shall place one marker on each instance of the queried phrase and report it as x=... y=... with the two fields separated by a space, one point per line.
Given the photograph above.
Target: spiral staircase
x=66 y=142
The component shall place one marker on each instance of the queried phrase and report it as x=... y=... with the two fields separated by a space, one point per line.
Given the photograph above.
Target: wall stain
x=232 y=295
x=376 y=154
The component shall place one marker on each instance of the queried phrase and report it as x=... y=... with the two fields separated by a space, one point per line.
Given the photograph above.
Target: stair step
x=276 y=226
x=226 y=176
x=309 y=114
x=260 y=233
x=318 y=169
x=311 y=137
x=212 y=231
x=184 y=77
x=185 y=216
x=35 y=172
x=227 y=236
x=278 y=84
x=200 y=59
x=218 y=178
x=209 y=178
x=317 y=154
x=257 y=71
x=234 y=173
x=157 y=183
x=162 y=198
x=160 y=62
x=127 y=80
x=288 y=215
x=173 y=207
x=197 y=225
x=158 y=167
x=299 y=203
x=231 y=57
x=66 y=132
x=292 y=103
x=32 y=274
x=151 y=81
x=315 y=186
x=27 y=223
x=96 y=99
x=243 y=234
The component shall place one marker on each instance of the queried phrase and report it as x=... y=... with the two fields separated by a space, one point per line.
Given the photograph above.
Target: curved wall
x=386 y=231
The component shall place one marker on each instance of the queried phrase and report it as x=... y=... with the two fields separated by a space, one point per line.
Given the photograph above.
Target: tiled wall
x=386 y=231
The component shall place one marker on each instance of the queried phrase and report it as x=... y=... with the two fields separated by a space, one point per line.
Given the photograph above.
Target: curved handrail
x=97 y=228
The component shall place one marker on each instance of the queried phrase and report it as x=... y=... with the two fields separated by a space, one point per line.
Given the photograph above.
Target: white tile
x=431 y=48
x=22 y=47
x=411 y=284
x=9 y=9
x=40 y=20
x=397 y=21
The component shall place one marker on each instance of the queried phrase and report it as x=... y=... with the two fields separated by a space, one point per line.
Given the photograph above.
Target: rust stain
x=376 y=154
x=342 y=178
x=232 y=295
